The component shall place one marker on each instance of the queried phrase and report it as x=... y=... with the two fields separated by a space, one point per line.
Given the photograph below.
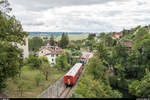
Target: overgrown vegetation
x=11 y=34
x=34 y=82
x=130 y=67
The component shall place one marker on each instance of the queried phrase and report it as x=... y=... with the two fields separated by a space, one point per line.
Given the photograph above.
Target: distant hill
x=56 y=34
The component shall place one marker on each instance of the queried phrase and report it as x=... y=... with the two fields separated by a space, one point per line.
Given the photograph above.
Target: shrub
x=21 y=87
x=34 y=62
x=38 y=79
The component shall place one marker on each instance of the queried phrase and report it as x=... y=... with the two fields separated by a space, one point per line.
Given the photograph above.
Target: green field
x=30 y=89
x=75 y=37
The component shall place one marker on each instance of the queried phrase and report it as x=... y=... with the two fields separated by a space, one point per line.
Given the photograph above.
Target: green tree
x=62 y=62
x=38 y=79
x=34 y=62
x=71 y=46
x=91 y=36
x=101 y=35
x=141 y=32
x=67 y=39
x=52 y=42
x=94 y=83
x=21 y=87
x=109 y=41
x=141 y=88
x=119 y=70
x=45 y=67
x=64 y=41
x=125 y=32
x=91 y=44
x=133 y=68
x=11 y=34
x=35 y=43
x=140 y=56
x=119 y=54
x=102 y=54
x=97 y=69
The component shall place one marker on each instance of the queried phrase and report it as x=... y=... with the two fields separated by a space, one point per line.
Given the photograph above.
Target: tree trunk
x=21 y=92
x=19 y=74
x=46 y=75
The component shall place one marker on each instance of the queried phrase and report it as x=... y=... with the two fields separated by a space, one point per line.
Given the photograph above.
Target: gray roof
x=74 y=69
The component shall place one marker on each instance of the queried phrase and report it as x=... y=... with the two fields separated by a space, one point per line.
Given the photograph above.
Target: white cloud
x=84 y=16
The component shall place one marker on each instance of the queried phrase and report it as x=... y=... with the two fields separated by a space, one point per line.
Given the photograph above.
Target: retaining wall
x=54 y=91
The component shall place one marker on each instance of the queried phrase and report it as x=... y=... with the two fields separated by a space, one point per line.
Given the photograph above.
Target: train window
x=68 y=77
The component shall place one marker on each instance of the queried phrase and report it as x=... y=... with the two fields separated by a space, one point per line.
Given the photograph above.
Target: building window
x=52 y=59
x=52 y=55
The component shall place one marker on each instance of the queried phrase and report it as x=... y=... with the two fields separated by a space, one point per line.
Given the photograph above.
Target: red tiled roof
x=117 y=35
x=53 y=51
x=127 y=44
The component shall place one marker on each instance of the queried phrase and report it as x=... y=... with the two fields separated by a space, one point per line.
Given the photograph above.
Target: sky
x=80 y=15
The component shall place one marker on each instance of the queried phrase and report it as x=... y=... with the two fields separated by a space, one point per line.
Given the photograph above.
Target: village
x=74 y=49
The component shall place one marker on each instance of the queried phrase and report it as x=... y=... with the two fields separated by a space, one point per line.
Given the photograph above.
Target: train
x=71 y=77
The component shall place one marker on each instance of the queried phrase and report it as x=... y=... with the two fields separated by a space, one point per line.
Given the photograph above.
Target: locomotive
x=73 y=74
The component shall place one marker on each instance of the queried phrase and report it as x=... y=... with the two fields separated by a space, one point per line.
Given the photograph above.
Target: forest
x=118 y=70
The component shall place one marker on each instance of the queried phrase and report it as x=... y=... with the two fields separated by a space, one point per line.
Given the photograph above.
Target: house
x=136 y=31
x=117 y=35
x=127 y=44
x=51 y=52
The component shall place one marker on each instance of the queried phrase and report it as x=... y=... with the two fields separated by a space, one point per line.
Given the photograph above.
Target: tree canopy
x=11 y=34
x=35 y=43
x=52 y=42
x=64 y=41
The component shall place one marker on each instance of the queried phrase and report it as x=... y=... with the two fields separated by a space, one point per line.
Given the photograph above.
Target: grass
x=31 y=90
x=75 y=37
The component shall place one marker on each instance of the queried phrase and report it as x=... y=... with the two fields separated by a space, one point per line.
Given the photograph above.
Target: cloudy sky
x=81 y=15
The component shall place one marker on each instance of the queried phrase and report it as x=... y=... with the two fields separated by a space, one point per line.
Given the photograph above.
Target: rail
x=59 y=90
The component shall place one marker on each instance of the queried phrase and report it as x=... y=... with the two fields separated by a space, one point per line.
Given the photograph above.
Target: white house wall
x=25 y=48
x=50 y=59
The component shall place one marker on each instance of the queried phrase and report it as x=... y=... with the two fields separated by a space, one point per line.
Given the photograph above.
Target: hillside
x=126 y=55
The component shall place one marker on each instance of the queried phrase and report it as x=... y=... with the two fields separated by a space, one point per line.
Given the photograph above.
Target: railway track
x=68 y=90
x=59 y=90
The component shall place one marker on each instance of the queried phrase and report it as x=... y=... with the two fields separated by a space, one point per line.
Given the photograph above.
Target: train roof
x=74 y=69
x=84 y=56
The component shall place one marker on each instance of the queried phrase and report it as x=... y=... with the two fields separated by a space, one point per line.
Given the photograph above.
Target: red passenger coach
x=84 y=59
x=71 y=77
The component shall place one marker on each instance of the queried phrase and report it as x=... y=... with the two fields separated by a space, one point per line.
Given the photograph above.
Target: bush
x=21 y=87
x=29 y=87
x=113 y=81
x=38 y=79
x=62 y=62
x=34 y=62
x=118 y=83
